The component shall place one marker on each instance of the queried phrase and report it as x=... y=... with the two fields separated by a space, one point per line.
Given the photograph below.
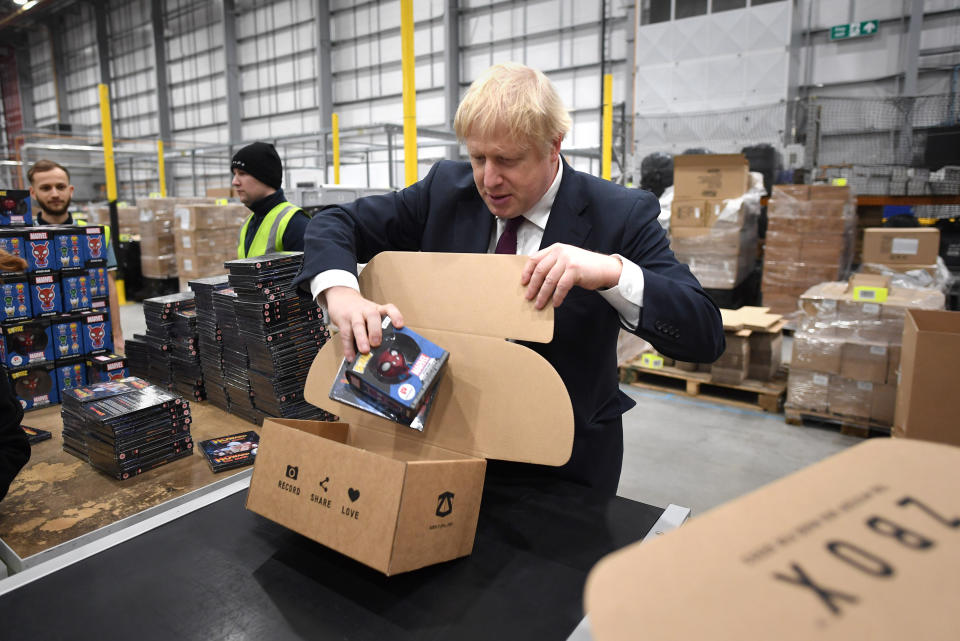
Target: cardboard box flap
x=496 y=400
x=854 y=547
x=473 y=293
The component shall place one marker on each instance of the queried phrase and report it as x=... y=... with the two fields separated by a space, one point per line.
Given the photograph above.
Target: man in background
x=275 y=224
x=50 y=187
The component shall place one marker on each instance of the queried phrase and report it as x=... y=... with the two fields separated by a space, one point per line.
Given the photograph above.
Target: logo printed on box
x=445 y=504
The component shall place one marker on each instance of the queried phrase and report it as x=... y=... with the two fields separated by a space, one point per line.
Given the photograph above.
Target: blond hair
x=517 y=99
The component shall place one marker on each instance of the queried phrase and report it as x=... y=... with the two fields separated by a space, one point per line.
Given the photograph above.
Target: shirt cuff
x=331 y=278
x=627 y=296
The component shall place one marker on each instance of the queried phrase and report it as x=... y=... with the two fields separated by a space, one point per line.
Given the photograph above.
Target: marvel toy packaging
x=97 y=334
x=13 y=241
x=93 y=242
x=97 y=281
x=70 y=373
x=68 y=251
x=75 y=287
x=45 y=295
x=39 y=251
x=15 y=207
x=26 y=342
x=66 y=332
x=398 y=374
x=15 y=296
x=106 y=367
x=35 y=386
x=231 y=451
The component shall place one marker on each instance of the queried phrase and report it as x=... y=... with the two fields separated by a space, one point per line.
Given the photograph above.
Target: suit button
x=658 y=325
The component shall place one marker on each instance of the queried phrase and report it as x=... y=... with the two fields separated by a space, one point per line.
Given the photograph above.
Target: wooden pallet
x=849 y=425
x=766 y=396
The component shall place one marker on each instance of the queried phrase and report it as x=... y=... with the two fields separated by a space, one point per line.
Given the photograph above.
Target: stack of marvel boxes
x=809 y=240
x=205 y=236
x=713 y=220
x=846 y=350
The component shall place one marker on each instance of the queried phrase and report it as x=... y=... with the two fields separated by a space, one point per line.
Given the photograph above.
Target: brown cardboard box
x=221 y=192
x=822 y=249
x=864 y=361
x=893 y=364
x=710 y=176
x=688 y=212
x=200 y=264
x=893 y=246
x=848 y=397
x=164 y=266
x=791 y=192
x=195 y=217
x=829 y=192
x=858 y=546
x=414 y=497
x=732 y=366
x=927 y=399
x=808 y=390
x=765 y=354
x=884 y=403
x=820 y=351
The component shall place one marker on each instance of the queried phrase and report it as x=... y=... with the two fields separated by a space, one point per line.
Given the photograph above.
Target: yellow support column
x=335 y=119
x=109 y=168
x=161 y=169
x=409 y=93
x=607 y=143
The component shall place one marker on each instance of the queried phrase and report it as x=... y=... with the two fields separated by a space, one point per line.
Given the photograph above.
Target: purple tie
x=507 y=244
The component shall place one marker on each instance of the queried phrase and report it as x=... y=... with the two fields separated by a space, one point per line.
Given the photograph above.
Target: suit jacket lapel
x=566 y=225
x=473 y=224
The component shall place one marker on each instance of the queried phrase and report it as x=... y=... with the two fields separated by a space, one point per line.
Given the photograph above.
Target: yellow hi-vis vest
x=106 y=230
x=269 y=236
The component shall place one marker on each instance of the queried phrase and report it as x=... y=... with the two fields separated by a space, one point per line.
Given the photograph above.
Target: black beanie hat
x=261 y=161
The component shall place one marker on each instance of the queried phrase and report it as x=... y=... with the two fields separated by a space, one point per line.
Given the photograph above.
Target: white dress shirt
x=626 y=297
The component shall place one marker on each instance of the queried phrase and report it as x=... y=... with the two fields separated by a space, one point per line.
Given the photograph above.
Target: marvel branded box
x=399 y=373
x=15 y=295
x=70 y=373
x=94 y=242
x=97 y=334
x=397 y=499
x=859 y=546
x=75 y=287
x=68 y=249
x=26 y=342
x=45 y=295
x=15 y=207
x=13 y=241
x=39 y=250
x=106 y=367
x=97 y=281
x=66 y=332
x=35 y=386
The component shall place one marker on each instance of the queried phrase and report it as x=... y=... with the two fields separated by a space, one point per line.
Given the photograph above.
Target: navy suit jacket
x=445 y=213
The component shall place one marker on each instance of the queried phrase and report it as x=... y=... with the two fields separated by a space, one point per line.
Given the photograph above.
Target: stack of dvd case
x=126 y=427
x=185 y=355
x=282 y=329
x=137 y=351
x=210 y=339
x=160 y=315
x=236 y=381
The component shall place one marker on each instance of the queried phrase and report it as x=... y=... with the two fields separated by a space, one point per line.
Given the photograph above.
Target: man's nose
x=491 y=174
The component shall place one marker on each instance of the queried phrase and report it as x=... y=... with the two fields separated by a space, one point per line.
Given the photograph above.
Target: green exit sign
x=854 y=30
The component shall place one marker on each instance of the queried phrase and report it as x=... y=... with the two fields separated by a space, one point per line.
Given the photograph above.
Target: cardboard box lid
x=758 y=319
x=811 y=556
x=497 y=399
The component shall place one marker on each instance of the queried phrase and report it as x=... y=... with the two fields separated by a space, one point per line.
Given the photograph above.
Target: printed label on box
x=907 y=246
x=821 y=379
x=866 y=386
x=878 y=350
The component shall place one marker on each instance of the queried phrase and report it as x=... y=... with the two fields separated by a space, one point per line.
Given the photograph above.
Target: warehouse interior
x=806 y=159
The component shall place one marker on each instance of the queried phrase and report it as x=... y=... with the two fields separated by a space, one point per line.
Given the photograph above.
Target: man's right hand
x=358 y=319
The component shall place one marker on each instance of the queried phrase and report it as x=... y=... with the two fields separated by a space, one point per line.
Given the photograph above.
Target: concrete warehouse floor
x=692 y=453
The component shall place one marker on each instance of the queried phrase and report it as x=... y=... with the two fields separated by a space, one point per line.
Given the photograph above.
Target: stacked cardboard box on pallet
x=158 y=258
x=713 y=222
x=846 y=351
x=205 y=236
x=754 y=345
x=127 y=217
x=809 y=240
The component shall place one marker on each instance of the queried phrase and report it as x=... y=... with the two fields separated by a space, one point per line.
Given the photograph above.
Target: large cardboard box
x=396 y=499
x=863 y=360
x=927 y=400
x=710 y=176
x=862 y=545
x=898 y=246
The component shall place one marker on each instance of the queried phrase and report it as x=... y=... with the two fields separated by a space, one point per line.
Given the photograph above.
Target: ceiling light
x=20 y=2
x=29 y=5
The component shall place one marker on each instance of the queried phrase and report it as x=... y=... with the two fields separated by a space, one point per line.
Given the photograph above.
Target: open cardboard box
x=394 y=498
x=863 y=545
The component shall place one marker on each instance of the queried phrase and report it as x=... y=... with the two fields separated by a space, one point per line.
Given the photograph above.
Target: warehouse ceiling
x=15 y=20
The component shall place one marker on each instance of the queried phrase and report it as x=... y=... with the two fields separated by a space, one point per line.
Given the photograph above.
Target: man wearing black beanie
x=275 y=224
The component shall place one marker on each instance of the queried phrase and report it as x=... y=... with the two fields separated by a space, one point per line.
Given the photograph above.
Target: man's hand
x=119 y=346
x=358 y=319
x=554 y=271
